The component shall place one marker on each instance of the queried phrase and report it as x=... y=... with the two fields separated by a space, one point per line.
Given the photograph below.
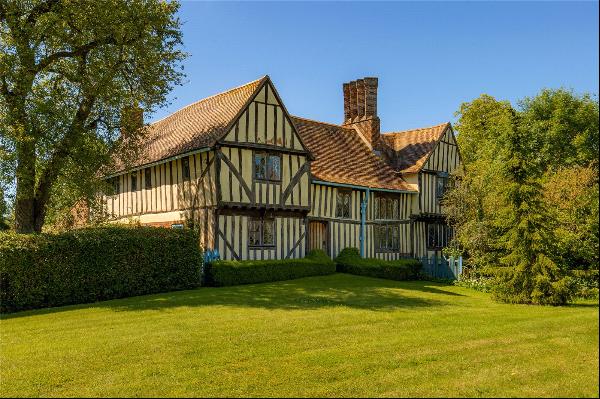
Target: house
x=260 y=183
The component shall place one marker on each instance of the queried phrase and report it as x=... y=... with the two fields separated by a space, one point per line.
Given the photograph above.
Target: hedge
x=94 y=264
x=231 y=272
x=349 y=261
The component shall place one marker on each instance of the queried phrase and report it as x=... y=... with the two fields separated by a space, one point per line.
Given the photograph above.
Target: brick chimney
x=360 y=108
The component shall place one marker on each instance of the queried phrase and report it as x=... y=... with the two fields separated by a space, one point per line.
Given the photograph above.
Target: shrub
x=542 y=283
x=349 y=261
x=230 y=272
x=586 y=283
x=94 y=264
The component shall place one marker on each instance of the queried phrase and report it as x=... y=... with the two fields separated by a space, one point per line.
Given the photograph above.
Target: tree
x=67 y=70
x=530 y=191
x=571 y=195
x=3 y=210
x=527 y=228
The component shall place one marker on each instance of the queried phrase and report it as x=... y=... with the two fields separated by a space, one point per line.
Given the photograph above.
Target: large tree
x=529 y=196
x=67 y=70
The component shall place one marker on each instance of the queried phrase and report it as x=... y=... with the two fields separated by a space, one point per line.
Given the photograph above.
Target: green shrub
x=349 y=261
x=94 y=264
x=541 y=283
x=586 y=283
x=230 y=272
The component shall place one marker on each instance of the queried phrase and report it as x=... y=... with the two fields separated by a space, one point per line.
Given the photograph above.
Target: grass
x=337 y=335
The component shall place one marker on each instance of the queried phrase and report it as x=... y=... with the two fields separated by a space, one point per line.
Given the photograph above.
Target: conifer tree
x=531 y=276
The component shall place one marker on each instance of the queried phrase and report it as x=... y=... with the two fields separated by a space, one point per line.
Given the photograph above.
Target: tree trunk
x=25 y=199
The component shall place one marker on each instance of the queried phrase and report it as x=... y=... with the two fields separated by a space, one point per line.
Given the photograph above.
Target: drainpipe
x=363 y=221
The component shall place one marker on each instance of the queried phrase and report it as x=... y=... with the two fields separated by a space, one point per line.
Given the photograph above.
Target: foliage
x=94 y=264
x=3 y=211
x=338 y=335
x=571 y=196
x=70 y=70
x=349 y=261
x=529 y=191
x=477 y=283
x=586 y=283
x=231 y=272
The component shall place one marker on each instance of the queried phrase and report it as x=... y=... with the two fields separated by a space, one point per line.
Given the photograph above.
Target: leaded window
x=386 y=207
x=438 y=235
x=267 y=166
x=387 y=238
x=441 y=185
x=261 y=232
x=185 y=168
x=117 y=185
x=148 y=178
x=342 y=208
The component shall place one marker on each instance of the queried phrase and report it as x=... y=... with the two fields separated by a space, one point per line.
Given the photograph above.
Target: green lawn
x=337 y=335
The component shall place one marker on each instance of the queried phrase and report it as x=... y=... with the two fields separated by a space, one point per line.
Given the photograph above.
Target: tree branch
x=41 y=9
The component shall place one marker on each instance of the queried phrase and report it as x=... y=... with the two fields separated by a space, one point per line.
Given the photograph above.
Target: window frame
x=148 y=178
x=344 y=193
x=268 y=169
x=388 y=200
x=440 y=190
x=116 y=185
x=392 y=241
x=260 y=221
x=442 y=235
x=185 y=168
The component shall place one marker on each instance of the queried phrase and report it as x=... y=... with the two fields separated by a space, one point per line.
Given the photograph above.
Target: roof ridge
x=321 y=122
x=209 y=97
x=417 y=129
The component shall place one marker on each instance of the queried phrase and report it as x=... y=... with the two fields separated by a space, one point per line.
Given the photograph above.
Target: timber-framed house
x=260 y=183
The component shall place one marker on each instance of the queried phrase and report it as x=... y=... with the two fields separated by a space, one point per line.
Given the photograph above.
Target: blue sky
x=429 y=57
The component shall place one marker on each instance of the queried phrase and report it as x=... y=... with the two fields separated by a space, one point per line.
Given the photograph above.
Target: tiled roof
x=341 y=156
x=412 y=147
x=195 y=126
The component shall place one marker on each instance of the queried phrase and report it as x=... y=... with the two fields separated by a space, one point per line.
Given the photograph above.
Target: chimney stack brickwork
x=360 y=108
x=360 y=99
x=346 y=101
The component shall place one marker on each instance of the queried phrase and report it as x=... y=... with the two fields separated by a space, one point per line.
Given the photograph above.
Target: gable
x=265 y=121
x=445 y=157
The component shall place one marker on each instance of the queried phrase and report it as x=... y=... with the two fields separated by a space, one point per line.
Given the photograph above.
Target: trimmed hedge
x=95 y=264
x=230 y=272
x=349 y=261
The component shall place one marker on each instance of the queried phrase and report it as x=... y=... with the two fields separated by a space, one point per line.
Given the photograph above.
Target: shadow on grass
x=302 y=294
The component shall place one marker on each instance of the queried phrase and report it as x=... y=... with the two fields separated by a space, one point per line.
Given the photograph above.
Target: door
x=317 y=236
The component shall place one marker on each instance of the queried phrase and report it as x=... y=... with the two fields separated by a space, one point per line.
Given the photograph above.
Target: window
x=267 y=166
x=148 y=178
x=386 y=208
x=261 y=232
x=342 y=208
x=185 y=168
x=116 y=185
x=441 y=185
x=178 y=226
x=438 y=235
x=387 y=238
x=134 y=182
